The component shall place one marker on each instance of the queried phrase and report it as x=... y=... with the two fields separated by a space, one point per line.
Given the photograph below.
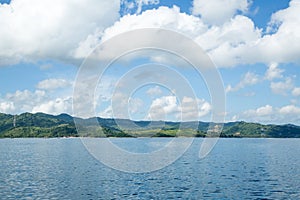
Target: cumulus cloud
x=168 y=107
x=273 y=72
x=7 y=107
x=227 y=44
x=105 y=88
x=296 y=91
x=141 y=3
x=218 y=11
x=282 y=44
x=279 y=46
x=135 y=6
x=21 y=101
x=154 y=91
x=194 y=109
x=248 y=79
x=282 y=87
x=161 y=108
x=135 y=105
x=33 y=29
x=163 y=17
x=261 y=111
x=54 y=29
x=236 y=41
x=25 y=100
x=122 y=105
x=35 y=101
x=289 y=110
x=240 y=30
x=56 y=106
x=269 y=114
x=106 y=113
x=52 y=84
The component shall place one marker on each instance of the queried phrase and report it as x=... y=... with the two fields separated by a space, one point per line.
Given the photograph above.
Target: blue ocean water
x=235 y=169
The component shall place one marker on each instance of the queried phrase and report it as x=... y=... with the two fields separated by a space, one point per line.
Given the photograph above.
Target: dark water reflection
x=235 y=169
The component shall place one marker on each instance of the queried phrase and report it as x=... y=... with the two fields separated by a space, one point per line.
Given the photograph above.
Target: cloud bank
x=50 y=29
x=68 y=30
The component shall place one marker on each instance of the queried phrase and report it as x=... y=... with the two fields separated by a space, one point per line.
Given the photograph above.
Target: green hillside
x=45 y=125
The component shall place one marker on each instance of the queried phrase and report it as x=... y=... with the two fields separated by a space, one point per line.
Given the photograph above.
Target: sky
x=253 y=44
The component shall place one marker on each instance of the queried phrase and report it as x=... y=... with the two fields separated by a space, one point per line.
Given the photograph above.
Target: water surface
x=235 y=169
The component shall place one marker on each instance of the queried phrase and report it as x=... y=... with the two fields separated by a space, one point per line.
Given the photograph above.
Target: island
x=45 y=125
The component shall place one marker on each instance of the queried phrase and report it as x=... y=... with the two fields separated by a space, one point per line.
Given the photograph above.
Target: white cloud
x=282 y=44
x=168 y=108
x=141 y=3
x=54 y=29
x=240 y=30
x=163 y=17
x=266 y=110
x=161 y=108
x=289 y=110
x=248 y=79
x=218 y=11
x=52 y=84
x=57 y=106
x=234 y=118
x=25 y=98
x=273 y=72
x=127 y=6
x=263 y=114
x=35 y=101
x=154 y=91
x=22 y=101
x=48 y=29
x=107 y=112
x=46 y=66
x=194 y=109
x=282 y=87
x=136 y=6
x=296 y=91
x=122 y=106
x=7 y=107
x=106 y=87
x=222 y=43
x=249 y=94
x=135 y=105
x=269 y=114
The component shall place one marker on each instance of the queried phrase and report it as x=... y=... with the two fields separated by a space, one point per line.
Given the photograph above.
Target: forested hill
x=45 y=125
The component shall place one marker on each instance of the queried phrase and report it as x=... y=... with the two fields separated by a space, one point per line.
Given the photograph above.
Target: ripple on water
x=235 y=169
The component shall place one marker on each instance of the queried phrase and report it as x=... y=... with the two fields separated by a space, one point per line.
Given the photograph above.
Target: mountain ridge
x=62 y=125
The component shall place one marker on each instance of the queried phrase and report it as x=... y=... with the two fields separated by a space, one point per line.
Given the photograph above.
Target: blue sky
x=253 y=44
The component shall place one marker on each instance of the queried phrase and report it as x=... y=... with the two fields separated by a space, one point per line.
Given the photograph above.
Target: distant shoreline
x=41 y=125
x=148 y=137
